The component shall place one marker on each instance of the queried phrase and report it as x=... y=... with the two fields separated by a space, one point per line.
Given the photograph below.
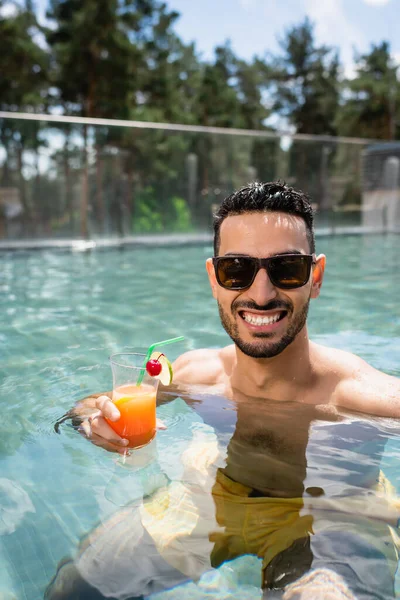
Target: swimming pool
x=64 y=313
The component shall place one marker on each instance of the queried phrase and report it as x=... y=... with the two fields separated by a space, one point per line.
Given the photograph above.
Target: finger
x=107 y=408
x=109 y=446
x=160 y=424
x=86 y=429
x=101 y=428
x=94 y=415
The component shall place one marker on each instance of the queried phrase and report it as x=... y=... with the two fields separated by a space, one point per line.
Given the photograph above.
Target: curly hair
x=273 y=196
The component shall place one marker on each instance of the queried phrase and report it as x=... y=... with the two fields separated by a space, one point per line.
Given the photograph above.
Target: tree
x=24 y=64
x=372 y=98
x=171 y=73
x=250 y=89
x=94 y=64
x=218 y=104
x=304 y=86
x=23 y=87
x=119 y=59
x=305 y=82
x=168 y=92
x=230 y=95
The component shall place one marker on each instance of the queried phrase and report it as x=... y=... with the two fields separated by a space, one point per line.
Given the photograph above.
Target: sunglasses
x=286 y=271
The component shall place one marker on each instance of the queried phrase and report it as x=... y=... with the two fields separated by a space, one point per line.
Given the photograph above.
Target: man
x=263 y=275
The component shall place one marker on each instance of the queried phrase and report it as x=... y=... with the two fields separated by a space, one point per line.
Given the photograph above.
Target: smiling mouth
x=262 y=320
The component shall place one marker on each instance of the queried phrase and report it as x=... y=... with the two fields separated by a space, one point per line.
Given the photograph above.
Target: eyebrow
x=275 y=253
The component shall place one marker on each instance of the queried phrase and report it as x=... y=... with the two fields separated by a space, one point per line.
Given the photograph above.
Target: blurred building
x=380 y=176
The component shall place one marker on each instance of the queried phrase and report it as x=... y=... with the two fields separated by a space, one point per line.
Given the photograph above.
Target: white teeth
x=260 y=320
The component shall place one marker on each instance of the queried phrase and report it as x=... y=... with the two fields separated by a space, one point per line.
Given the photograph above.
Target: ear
x=211 y=276
x=318 y=275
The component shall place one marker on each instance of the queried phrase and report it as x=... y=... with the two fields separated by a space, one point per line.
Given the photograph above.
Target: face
x=263 y=320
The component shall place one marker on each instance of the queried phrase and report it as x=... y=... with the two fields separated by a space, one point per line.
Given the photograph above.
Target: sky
x=256 y=26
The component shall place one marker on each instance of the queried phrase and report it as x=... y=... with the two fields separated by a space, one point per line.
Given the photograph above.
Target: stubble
x=262 y=348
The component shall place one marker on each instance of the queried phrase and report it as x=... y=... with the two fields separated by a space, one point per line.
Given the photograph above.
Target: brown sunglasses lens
x=286 y=272
x=289 y=271
x=236 y=272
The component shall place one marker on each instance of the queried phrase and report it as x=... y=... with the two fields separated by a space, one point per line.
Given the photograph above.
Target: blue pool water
x=63 y=314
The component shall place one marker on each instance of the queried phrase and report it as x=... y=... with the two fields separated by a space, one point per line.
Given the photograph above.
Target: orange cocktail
x=134 y=394
x=137 y=405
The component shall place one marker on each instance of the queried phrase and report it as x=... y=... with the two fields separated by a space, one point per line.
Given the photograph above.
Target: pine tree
x=305 y=82
x=372 y=97
x=23 y=87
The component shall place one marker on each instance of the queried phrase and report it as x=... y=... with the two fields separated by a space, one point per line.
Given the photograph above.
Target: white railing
x=181 y=127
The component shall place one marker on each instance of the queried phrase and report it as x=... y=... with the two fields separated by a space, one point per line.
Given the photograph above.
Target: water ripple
x=65 y=313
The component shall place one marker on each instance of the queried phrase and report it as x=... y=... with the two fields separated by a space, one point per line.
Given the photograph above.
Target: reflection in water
x=14 y=504
x=299 y=487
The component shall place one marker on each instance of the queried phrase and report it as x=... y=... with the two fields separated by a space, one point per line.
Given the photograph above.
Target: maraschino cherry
x=153 y=367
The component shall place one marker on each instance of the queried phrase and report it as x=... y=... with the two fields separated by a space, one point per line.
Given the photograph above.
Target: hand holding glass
x=134 y=394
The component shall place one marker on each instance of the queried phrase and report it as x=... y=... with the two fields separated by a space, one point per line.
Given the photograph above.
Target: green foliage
x=93 y=55
x=181 y=221
x=230 y=92
x=305 y=81
x=23 y=63
x=372 y=97
x=123 y=59
x=148 y=218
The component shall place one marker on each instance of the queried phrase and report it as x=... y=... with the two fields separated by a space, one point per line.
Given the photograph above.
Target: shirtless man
x=263 y=275
x=272 y=355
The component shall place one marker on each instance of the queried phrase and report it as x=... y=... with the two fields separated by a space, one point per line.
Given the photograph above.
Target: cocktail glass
x=135 y=401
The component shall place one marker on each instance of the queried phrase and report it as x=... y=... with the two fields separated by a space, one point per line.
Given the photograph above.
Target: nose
x=262 y=289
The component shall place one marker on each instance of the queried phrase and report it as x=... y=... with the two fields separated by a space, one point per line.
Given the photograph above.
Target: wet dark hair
x=274 y=196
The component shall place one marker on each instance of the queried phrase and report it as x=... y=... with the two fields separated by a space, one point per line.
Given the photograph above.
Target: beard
x=263 y=348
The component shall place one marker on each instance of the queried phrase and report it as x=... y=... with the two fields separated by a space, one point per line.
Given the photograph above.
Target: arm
x=365 y=389
x=88 y=417
x=82 y=410
x=89 y=414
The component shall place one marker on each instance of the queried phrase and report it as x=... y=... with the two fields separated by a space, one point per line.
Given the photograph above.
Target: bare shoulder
x=206 y=366
x=358 y=385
